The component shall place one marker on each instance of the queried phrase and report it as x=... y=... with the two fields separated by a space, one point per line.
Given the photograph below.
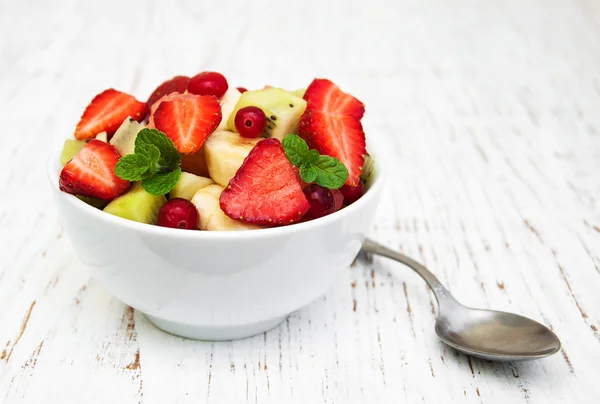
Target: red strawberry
x=92 y=172
x=265 y=189
x=188 y=120
x=106 y=112
x=336 y=135
x=177 y=84
x=324 y=96
x=154 y=107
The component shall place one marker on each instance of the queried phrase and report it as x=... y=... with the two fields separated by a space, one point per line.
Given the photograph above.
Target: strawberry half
x=265 y=189
x=324 y=96
x=92 y=172
x=336 y=135
x=106 y=112
x=177 y=84
x=188 y=120
x=154 y=107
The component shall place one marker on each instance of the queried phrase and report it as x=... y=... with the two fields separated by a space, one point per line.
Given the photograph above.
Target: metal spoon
x=488 y=334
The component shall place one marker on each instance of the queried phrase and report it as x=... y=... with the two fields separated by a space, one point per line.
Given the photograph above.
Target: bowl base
x=214 y=333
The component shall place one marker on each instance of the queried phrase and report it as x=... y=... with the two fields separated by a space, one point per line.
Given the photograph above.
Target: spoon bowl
x=487 y=334
x=496 y=335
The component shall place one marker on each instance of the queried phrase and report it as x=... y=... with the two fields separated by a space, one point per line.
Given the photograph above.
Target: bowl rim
x=374 y=191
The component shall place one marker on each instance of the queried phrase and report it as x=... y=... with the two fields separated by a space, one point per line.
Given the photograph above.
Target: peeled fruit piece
x=102 y=136
x=211 y=217
x=70 y=150
x=282 y=108
x=137 y=205
x=195 y=163
x=95 y=202
x=299 y=93
x=188 y=184
x=124 y=137
x=368 y=171
x=225 y=152
x=228 y=102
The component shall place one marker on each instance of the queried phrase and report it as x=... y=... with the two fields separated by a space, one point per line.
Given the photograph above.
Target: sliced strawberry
x=106 y=112
x=339 y=136
x=154 y=107
x=92 y=172
x=188 y=120
x=177 y=84
x=265 y=189
x=324 y=96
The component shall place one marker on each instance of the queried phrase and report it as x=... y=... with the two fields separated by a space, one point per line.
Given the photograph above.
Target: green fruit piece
x=299 y=93
x=70 y=150
x=124 y=137
x=368 y=171
x=137 y=205
x=282 y=108
x=95 y=202
x=188 y=184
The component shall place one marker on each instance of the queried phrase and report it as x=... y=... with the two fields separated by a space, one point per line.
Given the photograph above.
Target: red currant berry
x=352 y=194
x=250 y=121
x=321 y=201
x=242 y=89
x=208 y=83
x=338 y=199
x=178 y=213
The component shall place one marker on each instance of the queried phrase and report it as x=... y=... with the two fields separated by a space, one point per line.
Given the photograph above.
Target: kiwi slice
x=137 y=205
x=124 y=138
x=70 y=150
x=282 y=108
x=368 y=171
x=188 y=184
x=299 y=93
x=95 y=202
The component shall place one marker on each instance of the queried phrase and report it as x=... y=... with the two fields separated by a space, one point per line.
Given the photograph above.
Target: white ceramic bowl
x=215 y=285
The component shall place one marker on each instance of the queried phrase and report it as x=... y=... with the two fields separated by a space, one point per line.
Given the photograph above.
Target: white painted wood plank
x=488 y=115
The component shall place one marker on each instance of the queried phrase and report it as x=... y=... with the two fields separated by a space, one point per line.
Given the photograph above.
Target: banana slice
x=225 y=152
x=188 y=184
x=211 y=217
x=102 y=136
x=228 y=101
x=124 y=137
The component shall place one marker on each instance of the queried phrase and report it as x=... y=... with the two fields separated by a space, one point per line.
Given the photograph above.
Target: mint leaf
x=323 y=170
x=153 y=155
x=161 y=182
x=295 y=148
x=312 y=157
x=146 y=138
x=132 y=167
x=308 y=173
x=331 y=173
x=155 y=161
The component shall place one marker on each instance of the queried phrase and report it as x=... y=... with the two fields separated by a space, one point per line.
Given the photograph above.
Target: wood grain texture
x=488 y=116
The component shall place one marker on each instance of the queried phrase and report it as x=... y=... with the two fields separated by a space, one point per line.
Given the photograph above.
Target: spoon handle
x=441 y=293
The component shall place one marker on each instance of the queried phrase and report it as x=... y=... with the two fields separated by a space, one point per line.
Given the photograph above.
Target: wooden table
x=489 y=113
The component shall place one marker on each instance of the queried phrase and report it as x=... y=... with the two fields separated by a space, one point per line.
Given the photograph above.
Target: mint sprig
x=321 y=169
x=155 y=161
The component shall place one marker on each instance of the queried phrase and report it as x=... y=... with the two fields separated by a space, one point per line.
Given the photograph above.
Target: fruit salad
x=200 y=155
